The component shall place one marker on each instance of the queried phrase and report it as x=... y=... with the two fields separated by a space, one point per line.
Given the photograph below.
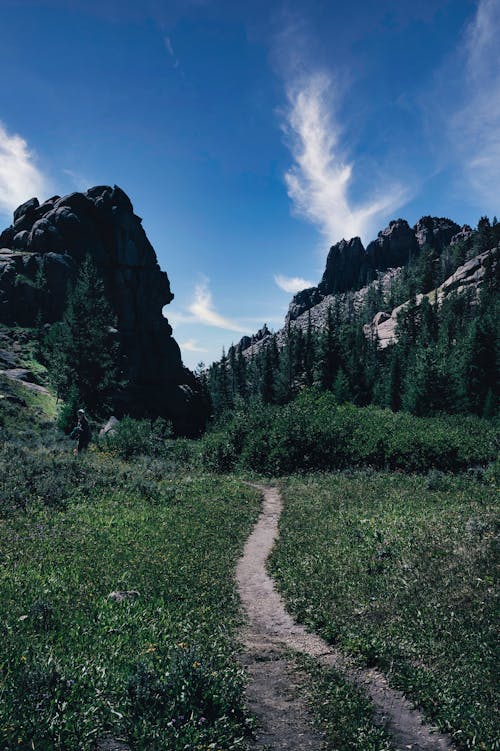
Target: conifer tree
x=328 y=353
x=309 y=353
x=267 y=378
x=341 y=389
x=81 y=351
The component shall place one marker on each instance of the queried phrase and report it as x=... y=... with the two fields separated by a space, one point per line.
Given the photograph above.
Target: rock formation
x=351 y=272
x=469 y=276
x=394 y=246
x=40 y=254
x=349 y=266
x=435 y=232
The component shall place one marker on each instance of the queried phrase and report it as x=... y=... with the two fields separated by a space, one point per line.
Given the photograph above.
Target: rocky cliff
x=352 y=271
x=40 y=254
x=469 y=276
x=349 y=266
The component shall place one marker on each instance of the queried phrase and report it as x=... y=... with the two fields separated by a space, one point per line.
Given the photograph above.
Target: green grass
x=342 y=711
x=400 y=571
x=157 y=670
x=37 y=406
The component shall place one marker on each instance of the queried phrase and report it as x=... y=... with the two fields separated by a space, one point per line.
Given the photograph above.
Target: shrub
x=314 y=432
x=133 y=437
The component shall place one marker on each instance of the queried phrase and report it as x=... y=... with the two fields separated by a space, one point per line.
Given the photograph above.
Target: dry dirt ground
x=274 y=684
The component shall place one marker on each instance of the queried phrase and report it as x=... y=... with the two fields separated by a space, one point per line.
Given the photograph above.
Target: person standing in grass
x=81 y=433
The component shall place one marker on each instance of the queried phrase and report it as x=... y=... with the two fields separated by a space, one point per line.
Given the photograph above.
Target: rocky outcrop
x=40 y=254
x=353 y=273
x=394 y=246
x=463 y=236
x=247 y=342
x=350 y=267
x=346 y=266
x=303 y=301
x=467 y=277
x=435 y=232
x=346 y=304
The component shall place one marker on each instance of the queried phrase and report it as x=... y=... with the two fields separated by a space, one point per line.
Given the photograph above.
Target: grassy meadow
x=400 y=571
x=157 y=668
x=396 y=568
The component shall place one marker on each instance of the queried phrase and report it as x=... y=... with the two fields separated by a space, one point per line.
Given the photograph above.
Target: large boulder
x=40 y=255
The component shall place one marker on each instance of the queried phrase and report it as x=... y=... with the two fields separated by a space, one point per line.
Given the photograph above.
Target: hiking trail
x=273 y=692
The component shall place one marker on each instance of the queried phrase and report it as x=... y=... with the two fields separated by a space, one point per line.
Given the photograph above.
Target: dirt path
x=273 y=687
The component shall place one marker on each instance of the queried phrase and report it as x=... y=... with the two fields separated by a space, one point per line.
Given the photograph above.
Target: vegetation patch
x=315 y=432
x=118 y=609
x=402 y=576
x=342 y=711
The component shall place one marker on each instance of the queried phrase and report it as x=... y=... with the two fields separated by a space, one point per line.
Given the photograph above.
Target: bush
x=133 y=437
x=30 y=475
x=314 y=432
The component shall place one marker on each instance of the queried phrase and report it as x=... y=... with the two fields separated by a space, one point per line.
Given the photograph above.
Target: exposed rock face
x=302 y=301
x=463 y=235
x=394 y=245
x=350 y=267
x=346 y=265
x=41 y=252
x=348 y=305
x=469 y=276
x=434 y=231
x=352 y=273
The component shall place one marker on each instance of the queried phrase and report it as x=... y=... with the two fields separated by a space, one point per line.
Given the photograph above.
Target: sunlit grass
x=400 y=571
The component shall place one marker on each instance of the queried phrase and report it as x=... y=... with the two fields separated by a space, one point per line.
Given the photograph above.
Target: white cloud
x=474 y=128
x=20 y=178
x=170 y=49
x=201 y=310
x=292 y=284
x=168 y=45
x=319 y=181
x=192 y=346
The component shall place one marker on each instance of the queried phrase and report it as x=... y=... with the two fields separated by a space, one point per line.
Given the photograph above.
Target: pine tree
x=328 y=353
x=241 y=376
x=309 y=353
x=267 y=380
x=81 y=350
x=341 y=390
x=283 y=387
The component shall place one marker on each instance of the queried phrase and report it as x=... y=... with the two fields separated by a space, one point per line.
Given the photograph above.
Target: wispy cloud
x=474 y=128
x=319 y=181
x=20 y=178
x=292 y=284
x=170 y=49
x=201 y=310
x=192 y=346
x=79 y=181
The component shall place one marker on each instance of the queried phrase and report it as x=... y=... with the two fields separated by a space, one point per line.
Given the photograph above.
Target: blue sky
x=252 y=135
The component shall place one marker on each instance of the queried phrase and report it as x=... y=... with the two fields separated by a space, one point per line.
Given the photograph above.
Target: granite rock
x=40 y=255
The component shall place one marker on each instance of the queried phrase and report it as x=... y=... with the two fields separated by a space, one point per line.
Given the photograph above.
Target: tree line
x=445 y=358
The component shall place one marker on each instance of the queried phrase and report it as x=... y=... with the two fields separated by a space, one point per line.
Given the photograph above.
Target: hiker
x=81 y=433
